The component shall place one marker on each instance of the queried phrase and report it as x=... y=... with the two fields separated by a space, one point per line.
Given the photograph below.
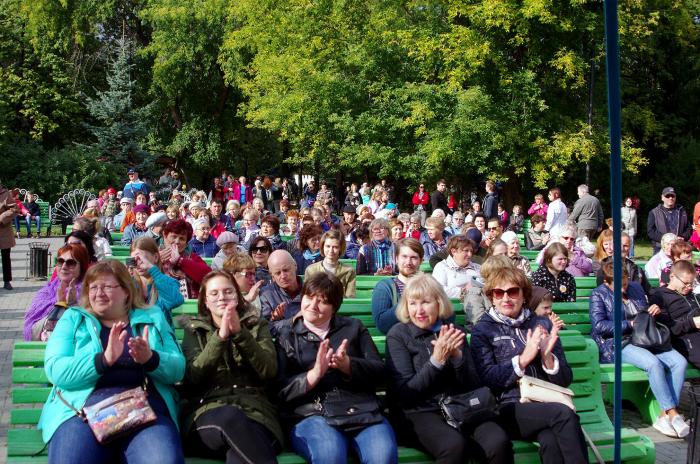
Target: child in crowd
x=502 y=215
x=516 y=220
x=110 y=209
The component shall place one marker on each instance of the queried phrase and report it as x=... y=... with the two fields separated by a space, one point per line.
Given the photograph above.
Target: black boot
x=8 y=286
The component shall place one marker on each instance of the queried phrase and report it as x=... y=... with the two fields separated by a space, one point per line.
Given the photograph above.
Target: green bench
x=29 y=391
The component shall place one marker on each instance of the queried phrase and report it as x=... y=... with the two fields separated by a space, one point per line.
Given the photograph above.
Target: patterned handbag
x=118 y=415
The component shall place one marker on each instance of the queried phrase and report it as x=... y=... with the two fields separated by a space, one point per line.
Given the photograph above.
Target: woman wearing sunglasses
x=60 y=293
x=260 y=249
x=510 y=341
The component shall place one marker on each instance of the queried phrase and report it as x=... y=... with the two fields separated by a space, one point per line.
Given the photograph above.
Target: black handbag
x=650 y=334
x=468 y=410
x=350 y=411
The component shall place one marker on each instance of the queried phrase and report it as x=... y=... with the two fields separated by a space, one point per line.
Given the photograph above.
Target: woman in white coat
x=456 y=272
x=629 y=222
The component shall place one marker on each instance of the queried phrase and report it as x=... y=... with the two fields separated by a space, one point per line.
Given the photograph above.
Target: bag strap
x=594 y=448
x=80 y=413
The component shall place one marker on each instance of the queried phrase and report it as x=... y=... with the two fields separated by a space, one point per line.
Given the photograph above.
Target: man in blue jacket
x=387 y=292
x=135 y=185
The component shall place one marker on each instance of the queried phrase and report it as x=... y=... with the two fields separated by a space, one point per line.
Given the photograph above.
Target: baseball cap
x=668 y=191
x=131 y=171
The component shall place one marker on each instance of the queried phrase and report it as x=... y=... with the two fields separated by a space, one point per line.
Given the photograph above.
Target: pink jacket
x=533 y=209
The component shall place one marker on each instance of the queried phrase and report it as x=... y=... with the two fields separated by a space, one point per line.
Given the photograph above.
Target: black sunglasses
x=70 y=262
x=261 y=249
x=670 y=195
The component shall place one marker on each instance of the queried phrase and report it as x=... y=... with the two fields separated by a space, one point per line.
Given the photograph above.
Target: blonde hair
x=436 y=222
x=238 y=262
x=493 y=263
x=419 y=286
x=118 y=271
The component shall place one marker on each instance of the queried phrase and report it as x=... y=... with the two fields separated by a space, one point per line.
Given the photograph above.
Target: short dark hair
x=682 y=267
x=87 y=241
x=411 y=243
x=327 y=286
x=254 y=242
x=609 y=274
x=537 y=218
x=178 y=226
x=216 y=200
x=307 y=233
x=273 y=221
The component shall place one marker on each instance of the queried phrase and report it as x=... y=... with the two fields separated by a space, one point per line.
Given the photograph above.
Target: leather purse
x=350 y=411
x=468 y=410
x=649 y=334
x=118 y=415
x=537 y=390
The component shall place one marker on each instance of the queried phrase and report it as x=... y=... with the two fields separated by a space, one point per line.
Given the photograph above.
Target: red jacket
x=417 y=200
x=195 y=269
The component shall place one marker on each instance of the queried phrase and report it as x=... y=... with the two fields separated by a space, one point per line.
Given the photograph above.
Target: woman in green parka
x=230 y=361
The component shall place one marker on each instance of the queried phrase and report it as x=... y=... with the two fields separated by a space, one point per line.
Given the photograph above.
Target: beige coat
x=8 y=211
x=344 y=273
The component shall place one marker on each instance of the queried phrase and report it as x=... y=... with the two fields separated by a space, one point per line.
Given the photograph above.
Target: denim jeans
x=666 y=372
x=318 y=442
x=29 y=219
x=73 y=442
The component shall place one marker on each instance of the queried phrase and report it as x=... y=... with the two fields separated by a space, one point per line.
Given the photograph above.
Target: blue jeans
x=318 y=442
x=29 y=224
x=73 y=442
x=666 y=372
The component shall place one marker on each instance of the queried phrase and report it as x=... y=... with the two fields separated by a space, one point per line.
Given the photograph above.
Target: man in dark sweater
x=438 y=198
x=668 y=217
x=490 y=206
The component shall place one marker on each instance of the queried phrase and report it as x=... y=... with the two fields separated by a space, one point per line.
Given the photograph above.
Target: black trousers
x=488 y=442
x=227 y=433
x=553 y=425
x=6 y=265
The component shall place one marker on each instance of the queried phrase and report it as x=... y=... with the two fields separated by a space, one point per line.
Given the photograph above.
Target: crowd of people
x=268 y=358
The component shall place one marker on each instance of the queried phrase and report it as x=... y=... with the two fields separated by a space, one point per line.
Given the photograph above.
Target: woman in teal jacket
x=109 y=345
x=146 y=269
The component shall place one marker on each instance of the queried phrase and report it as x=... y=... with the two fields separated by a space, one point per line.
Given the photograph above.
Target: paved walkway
x=14 y=303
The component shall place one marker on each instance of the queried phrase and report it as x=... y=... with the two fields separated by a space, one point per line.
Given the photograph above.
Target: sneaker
x=680 y=426
x=663 y=425
x=8 y=286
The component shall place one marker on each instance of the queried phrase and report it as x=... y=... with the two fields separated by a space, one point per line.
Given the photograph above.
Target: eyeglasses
x=70 y=262
x=685 y=284
x=499 y=293
x=494 y=228
x=259 y=249
x=421 y=186
x=105 y=288
x=227 y=293
x=247 y=275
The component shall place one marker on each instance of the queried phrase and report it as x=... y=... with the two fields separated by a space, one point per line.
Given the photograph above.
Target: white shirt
x=556 y=217
x=656 y=264
x=452 y=277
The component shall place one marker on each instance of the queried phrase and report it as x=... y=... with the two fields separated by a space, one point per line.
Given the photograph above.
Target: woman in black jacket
x=680 y=310
x=427 y=358
x=321 y=352
x=508 y=342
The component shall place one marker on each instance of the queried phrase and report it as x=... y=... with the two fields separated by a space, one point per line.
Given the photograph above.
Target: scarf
x=509 y=321
x=381 y=253
x=42 y=304
x=310 y=256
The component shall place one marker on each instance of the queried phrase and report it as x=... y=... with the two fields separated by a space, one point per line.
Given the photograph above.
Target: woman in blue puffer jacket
x=666 y=370
x=108 y=345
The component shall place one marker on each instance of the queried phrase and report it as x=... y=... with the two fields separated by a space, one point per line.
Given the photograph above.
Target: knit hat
x=127 y=200
x=474 y=235
x=226 y=237
x=199 y=222
x=156 y=219
x=142 y=209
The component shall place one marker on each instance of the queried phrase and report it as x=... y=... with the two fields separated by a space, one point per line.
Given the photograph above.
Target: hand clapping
x=139 y=348
x=448 y=344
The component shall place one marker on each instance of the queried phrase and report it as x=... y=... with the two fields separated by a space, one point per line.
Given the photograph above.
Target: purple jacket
x=42 y=304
